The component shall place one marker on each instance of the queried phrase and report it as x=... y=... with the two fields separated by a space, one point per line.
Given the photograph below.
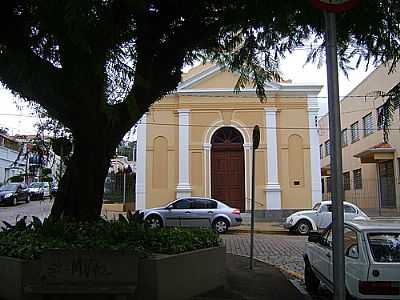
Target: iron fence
x=119 y=188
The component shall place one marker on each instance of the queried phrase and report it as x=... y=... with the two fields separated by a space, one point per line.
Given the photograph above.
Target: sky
x=21 y=121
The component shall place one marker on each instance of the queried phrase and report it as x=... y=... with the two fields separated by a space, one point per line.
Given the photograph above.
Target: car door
x=349 y=212
x=198 y=216
x=323 y=260
x=324 y=217
x=355 y=260
x=22 y=192
x=179 y=213
x=25 y=191
x=203 y=210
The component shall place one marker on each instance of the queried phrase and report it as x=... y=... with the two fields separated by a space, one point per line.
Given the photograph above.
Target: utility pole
x=330 y=8
x=336 y=157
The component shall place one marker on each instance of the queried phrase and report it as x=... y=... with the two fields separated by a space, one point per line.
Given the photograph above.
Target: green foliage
x=16 y=178
x=46 y=171
x=29 y=240
x=386 y=111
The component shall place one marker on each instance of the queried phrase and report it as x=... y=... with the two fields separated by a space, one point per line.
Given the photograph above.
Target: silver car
x=194 y=212
x=320 y=217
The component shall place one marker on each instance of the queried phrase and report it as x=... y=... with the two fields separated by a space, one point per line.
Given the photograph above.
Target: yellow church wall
x=162 y=125
x=294 y=122
x=242 y=110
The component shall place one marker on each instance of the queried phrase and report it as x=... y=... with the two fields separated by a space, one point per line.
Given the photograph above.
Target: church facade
x=198 y=142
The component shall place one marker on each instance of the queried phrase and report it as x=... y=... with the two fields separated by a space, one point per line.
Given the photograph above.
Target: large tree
x=98 y=65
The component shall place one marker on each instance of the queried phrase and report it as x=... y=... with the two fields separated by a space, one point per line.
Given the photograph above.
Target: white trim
x=140 y=202
x=268 y=87
x=183 y=189
x=272 y=187
x=206 y=157
x=199 y=77
x=315 y=163
x=207 y=154
x=273 y=196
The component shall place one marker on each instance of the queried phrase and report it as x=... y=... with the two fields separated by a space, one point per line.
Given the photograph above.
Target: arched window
x=227 y=135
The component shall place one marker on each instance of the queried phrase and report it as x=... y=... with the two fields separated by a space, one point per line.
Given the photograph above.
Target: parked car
x=372 y=260
x=302 y=222
x=194 y=212
x=11 y=193
x=39 y=190
x=54 y=189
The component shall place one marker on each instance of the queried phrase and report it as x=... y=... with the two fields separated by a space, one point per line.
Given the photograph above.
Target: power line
x=263 y=127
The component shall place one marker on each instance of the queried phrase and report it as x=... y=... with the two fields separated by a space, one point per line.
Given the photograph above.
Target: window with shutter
x=368 y=124
x=354 y=132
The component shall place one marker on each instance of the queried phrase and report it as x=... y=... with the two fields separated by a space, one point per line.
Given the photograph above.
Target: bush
x=29 y=240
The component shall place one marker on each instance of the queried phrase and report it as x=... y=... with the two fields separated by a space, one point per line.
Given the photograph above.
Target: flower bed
x=29 y=241
x=25 y=250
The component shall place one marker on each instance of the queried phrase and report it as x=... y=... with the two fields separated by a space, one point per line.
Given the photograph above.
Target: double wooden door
x=227 y=175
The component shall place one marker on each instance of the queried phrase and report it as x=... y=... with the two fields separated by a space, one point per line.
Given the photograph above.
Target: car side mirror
x=169 y=207
x=314 y=237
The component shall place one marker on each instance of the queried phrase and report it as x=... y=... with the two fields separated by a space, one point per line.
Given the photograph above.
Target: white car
x=372 y=260
x=39 y=190
x=320 y=217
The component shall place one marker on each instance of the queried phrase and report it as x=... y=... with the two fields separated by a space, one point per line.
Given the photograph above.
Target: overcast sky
x=20 y=121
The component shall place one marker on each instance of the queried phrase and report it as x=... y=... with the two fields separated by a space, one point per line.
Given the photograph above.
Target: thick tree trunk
x=80 y=194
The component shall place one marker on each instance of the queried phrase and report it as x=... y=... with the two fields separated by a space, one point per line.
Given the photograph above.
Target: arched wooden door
x=227 y=167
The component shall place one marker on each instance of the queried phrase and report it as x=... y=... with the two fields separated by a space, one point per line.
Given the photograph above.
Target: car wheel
x=14 y=201
x=154 y=221
x=311 y=281
x=28 y=199
x=221 y=225
x=303 y=227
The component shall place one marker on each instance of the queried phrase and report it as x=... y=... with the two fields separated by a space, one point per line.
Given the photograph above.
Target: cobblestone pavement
x=283 y=251
x=40 y=209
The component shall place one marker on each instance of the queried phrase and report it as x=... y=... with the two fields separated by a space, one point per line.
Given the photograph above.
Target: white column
x=183 y=189
x=248 y=158
x=315 y=163
x=141 y=164
x=272 y=187
x=207 y=169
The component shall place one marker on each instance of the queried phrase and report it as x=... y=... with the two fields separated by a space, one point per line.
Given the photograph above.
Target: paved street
x=40 y=209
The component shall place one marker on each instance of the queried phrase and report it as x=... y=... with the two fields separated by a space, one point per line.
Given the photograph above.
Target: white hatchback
x=372 y=260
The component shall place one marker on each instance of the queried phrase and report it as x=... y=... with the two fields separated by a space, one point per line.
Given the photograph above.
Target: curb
x=274 y=232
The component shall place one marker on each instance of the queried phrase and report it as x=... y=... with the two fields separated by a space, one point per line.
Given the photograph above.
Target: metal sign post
x=330 y=8
x=336 y=158
x=256 y=142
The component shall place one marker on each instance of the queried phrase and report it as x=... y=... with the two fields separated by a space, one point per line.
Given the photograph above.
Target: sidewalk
x=264 y=282
x=260 y=227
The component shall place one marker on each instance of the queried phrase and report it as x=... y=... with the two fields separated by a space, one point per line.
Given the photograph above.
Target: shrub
x=29 y=240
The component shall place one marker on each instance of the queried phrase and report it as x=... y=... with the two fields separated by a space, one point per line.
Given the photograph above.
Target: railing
x=114 y=188
x=368 y=198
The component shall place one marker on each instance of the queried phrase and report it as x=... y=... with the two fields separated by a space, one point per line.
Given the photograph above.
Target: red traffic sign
x=335 y=5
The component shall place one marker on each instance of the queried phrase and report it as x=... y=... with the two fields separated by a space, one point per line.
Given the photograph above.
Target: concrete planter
x=15 y=274
x=181 y=276
x=160 y=277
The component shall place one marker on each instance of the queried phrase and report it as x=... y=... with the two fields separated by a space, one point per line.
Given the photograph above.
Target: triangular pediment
x=214 y=78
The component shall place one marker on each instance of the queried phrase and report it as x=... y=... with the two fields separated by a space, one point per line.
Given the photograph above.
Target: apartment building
x=371 y=167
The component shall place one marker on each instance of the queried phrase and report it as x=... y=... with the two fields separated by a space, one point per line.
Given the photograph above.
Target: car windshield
x=36 y=185
x=9 y=187
x=385 y=247
x=316 y=206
